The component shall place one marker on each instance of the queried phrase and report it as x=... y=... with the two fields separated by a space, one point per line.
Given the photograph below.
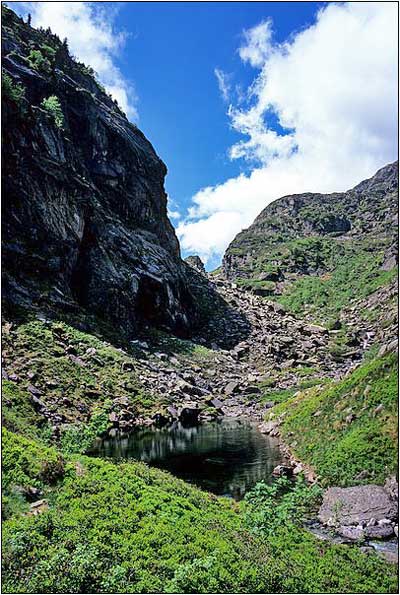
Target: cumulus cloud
x=91 y=39
x=321 y=115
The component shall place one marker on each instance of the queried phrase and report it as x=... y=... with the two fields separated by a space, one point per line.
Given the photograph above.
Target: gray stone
x=379 y=531
x=351 y=506
x=283 y=471
x=231 y=388
x=352 y=533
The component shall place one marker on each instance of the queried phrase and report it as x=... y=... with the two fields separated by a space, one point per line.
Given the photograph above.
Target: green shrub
x=39 y=62
x=78 y=438
x=280 y=504
x=48 y=51
x=52 y=106
x=13 y=91
x=28 y=463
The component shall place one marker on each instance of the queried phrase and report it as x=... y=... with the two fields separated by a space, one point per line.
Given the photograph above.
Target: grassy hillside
x=130 y=529
x=318 y=253
x=347 y=427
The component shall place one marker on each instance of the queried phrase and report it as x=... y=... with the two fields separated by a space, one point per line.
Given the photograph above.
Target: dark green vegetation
x=11 y=90
x=52 y=106
x=127 y=528
x=347 y=427
x=355 y=272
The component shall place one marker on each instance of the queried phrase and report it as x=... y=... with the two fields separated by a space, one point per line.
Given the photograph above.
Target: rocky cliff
x=84 y=207
x=307 y=249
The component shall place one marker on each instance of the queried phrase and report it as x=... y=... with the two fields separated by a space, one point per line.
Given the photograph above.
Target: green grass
x=72 y=387
x=126 y=528
x=355 y=276
x=18 y=413
x=339 y=449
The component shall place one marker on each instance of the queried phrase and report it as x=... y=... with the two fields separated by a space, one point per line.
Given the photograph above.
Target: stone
x=231 y=388
x=379 y=531
x=113 y=417
x=282 y=471
x=392 y=488
x=127 y=366
x=34 y=390
x=349 y=418
x=160 y=419
x=173 y=412
x=352 y=533
x=216 y=403
x=268 y=427
x=311 y=329
x=354 y=505
x=389 y=263
x=38 y=507
x=189 y=413
x=196 y=262
x=362 y=475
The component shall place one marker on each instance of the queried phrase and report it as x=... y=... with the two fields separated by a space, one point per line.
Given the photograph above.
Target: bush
x=11 y=90
x=37 y=61
x=52 y=106
x=281 y=504
x=78 y=438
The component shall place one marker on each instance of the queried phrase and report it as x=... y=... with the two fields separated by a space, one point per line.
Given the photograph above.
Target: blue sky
x=170 y=55
x=244 y=101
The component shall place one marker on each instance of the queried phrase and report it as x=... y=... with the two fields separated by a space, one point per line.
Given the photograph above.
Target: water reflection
x=226 y=457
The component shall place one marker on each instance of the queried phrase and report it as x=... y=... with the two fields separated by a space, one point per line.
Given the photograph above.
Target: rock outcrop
x=196 y=262
x=84 y=207
x=307 y=234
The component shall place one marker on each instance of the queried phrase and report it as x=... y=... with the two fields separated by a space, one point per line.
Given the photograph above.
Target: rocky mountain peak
x=85 y=220
x=196 y=263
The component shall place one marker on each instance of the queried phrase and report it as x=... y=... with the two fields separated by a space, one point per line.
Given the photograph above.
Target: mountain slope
x=315 y=252
x=85 y=212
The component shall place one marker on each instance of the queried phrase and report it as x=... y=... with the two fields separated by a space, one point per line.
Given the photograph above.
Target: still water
x=226 y=457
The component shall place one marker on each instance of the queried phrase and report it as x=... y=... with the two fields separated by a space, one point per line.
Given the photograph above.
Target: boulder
x=269 y=427
x=189 y=414
x=392 y=488
x=355 y=505
x=352 y=533
x=232 y=388
x=379 y=531
x=283 y=471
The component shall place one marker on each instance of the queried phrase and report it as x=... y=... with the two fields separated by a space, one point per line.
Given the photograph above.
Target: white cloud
x=224 y=83
x=91 y=39
x=258 y=44
x=174 y=214
x=332 y=88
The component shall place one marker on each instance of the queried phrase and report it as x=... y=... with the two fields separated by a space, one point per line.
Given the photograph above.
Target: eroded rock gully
x=277 y=353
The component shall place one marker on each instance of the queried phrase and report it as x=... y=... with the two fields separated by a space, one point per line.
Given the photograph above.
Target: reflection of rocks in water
x=226 y=457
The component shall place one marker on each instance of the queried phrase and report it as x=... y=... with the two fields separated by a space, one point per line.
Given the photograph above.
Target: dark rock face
x=84 y=205
x=196 y=263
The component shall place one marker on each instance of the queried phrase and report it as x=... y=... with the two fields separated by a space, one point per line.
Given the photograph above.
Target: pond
x=226 y=457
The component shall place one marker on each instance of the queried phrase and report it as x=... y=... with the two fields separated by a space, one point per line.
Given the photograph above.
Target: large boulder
x=355 y=505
